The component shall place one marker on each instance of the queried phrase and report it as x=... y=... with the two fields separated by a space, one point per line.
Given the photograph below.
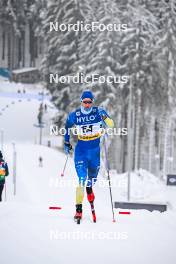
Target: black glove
x=67 y=147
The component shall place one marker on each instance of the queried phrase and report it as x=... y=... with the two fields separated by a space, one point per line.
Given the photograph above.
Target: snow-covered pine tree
x=101 y=56
x=137 y=47
x=166 y=58
x=62 y=50
x=13 y=17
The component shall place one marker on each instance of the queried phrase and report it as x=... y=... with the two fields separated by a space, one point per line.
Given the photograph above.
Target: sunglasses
x=87 y=102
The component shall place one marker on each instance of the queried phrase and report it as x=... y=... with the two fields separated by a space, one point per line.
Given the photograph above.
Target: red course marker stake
x=55 y=208
x=125 y=213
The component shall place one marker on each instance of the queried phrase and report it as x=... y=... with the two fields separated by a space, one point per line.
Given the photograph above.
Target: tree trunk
x=165 y=155
x=151 y=142
x=137 y=134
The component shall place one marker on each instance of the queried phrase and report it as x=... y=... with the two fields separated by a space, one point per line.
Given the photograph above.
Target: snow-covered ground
x=31 y=233
x=18 y=112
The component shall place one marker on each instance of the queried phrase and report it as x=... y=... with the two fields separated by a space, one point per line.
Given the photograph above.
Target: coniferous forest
x=145 y=52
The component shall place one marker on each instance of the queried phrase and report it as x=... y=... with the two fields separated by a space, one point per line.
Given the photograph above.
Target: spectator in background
x=4 y=171
x=46 y=108
x=40 y=161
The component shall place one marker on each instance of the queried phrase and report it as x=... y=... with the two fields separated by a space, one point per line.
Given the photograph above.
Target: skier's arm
x=6 y=170
x=106 y=118
x=69 y=124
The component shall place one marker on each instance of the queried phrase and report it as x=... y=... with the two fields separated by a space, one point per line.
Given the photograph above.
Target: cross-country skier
x=88 y=120
x=40 y=161
x=4 y=171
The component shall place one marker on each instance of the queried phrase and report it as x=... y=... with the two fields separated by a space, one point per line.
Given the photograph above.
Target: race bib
x=89 y=131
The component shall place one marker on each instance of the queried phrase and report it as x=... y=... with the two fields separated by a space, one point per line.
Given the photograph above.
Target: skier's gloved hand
x=67 y=147
x=105 y=117
x=102 y=113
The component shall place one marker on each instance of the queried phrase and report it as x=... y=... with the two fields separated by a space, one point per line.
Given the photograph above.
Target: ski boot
x=78 y=215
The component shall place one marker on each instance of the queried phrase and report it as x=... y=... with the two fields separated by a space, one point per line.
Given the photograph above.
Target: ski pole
x=109 y=179
x=62 y=174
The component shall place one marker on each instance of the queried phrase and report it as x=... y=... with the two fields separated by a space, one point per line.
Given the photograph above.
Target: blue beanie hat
x=87 y=94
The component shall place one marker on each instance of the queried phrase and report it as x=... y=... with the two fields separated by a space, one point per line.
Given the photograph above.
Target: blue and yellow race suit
x=87 y=151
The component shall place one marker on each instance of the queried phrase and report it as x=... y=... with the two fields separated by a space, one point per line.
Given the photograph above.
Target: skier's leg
x=79 y=194
x=92 y=175
x=81 y=169
x=1 y=189
x=93 y=169
x=93 y=166
x=92 y=178
x=90 y=194
x=79 y=200
x=81 y=164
